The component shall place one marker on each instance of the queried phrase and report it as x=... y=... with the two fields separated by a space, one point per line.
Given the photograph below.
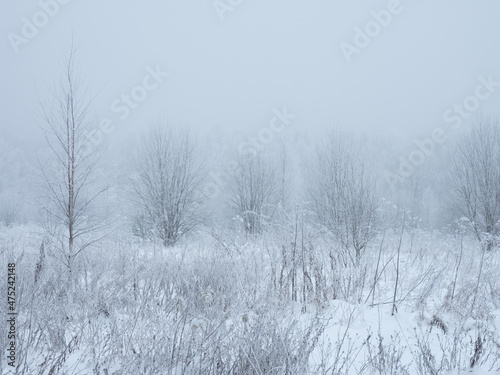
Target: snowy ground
x=222 y=304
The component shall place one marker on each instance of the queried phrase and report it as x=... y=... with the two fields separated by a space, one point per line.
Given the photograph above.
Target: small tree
x=475 y=180
x=253 y=192
x=73 y=192
x=169 y=175
x=343 y=193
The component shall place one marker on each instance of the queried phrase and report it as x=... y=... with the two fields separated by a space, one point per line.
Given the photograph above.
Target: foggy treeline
x=170 y=184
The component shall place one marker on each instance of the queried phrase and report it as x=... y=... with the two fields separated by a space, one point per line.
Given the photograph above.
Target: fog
x=249 y=187
x=229 y=67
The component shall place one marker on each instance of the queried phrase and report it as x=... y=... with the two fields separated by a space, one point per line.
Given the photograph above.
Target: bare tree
x=475 y=180
x=343 y=193
x=169 y=177
x=284 y=178
x=253 y=192
x=73 y=192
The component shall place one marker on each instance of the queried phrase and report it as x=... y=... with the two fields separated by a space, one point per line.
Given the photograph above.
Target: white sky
x=268 y=54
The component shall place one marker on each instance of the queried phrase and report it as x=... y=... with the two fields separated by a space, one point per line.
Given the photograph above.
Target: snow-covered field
x=223 y=304
x=234 y=187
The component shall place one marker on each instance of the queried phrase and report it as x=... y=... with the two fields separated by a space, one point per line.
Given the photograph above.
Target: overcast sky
x=228 y=69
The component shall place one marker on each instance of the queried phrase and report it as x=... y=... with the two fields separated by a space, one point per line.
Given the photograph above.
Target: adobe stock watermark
x=364 y=36
x=124 y=105
x=223 y=6
x=454 y=116
x=460 y=111
x=250 y=147
x=31 y=26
